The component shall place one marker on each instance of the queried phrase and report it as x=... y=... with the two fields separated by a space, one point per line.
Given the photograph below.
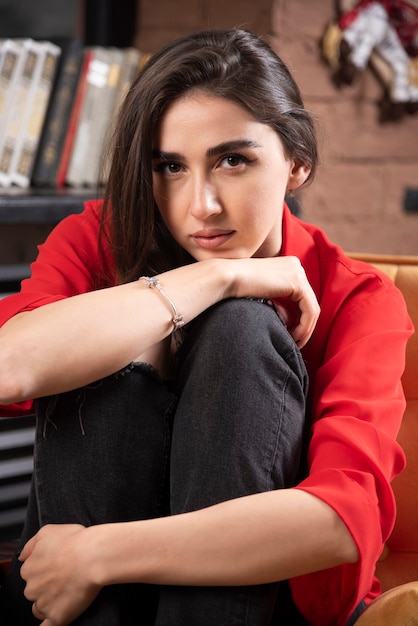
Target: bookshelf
x=41 y=206
x=28 y=214
x=34 y=207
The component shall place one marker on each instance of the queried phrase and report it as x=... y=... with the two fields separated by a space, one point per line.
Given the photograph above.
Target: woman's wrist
x=194 y=288
x=99 y=547
x=112 y=559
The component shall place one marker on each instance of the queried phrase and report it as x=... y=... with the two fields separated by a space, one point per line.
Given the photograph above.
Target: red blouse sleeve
x=358 y=404
x=68 y=263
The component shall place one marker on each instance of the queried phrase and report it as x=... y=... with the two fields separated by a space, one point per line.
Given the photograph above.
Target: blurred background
x=365 y=194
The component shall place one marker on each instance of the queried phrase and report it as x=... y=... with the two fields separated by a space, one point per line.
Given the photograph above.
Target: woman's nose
x=205 y=200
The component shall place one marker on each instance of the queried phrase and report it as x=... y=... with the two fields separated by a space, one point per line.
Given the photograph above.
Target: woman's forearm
x=251 y=540
x=75 y=341
x=72 y=342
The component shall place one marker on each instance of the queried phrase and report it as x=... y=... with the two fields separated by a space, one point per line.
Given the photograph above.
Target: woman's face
x=219 y=179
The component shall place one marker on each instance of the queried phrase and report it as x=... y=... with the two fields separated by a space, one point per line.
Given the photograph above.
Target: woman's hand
x=281 y=279
x=56 y=566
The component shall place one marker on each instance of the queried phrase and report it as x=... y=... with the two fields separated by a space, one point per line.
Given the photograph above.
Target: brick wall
x=161 y=20
x=366 y=167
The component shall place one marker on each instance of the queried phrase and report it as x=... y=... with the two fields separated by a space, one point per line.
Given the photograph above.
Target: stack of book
x=58 y=102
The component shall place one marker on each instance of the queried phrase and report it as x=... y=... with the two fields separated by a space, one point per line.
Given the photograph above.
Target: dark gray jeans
x=132 y=447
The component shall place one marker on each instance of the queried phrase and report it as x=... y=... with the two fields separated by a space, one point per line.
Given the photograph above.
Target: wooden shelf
x=35 y=207
x=41 y=206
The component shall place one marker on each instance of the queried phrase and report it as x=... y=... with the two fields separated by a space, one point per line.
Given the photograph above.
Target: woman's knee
x=239 y=318
x=238 y=331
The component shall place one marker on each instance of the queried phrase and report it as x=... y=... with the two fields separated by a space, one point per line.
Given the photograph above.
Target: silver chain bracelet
x=153 y=282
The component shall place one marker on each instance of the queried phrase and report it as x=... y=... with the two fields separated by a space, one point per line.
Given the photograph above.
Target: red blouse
x=355 y=359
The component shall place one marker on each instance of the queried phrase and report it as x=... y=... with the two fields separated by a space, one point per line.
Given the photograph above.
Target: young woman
x=189 y=477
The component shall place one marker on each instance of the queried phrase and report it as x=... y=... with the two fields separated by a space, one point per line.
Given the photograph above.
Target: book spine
x=58 y=116
x=100 y=128
x=128 y=67
x=9 y=68
x=16 y=104
x=90 y=117
x=40 y=92
x=74 y=117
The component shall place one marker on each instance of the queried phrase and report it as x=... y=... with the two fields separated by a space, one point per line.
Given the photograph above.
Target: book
x=92 y=110
x=80 y=93
x=32 y=119
x=10 y=54
x=106 y=99
x=131 y=62
x=58 y=114
x=17 y=67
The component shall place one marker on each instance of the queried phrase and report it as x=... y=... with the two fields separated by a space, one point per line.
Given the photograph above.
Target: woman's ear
x=298 y=175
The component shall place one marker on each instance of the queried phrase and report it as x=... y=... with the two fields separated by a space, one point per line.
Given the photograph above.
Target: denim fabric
x=133 y=447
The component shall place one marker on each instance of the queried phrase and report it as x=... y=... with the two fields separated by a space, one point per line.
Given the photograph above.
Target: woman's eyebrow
x=226 y=146
x=167 y=156
x=230 y=146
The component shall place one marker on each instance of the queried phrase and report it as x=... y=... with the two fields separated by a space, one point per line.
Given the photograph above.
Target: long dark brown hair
x=233 y=64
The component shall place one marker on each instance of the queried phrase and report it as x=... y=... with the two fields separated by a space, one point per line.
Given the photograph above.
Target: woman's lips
x=210 y=239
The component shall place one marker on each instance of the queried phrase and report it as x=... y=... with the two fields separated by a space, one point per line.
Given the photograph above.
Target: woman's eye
x=234 y=160
x=168 y=168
